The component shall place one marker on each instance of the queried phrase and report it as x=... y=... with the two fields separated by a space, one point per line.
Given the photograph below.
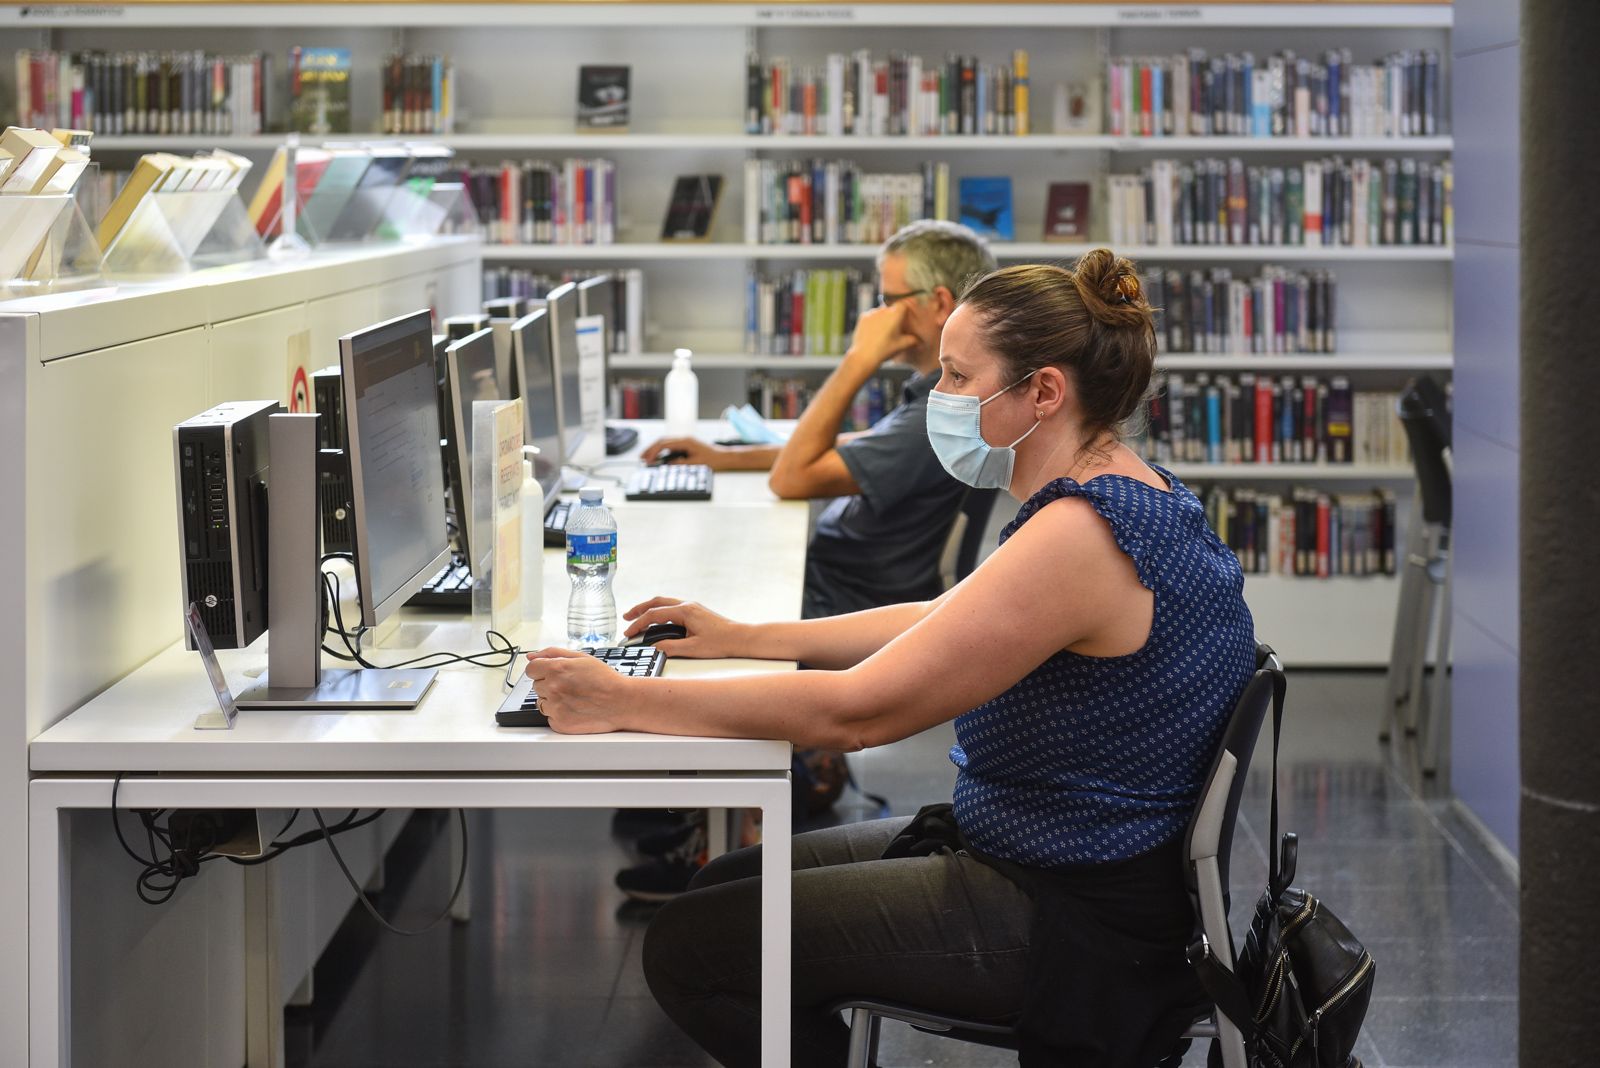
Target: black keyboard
x=521 y=706
x=450 y=588
x=555 y=524
x=619 y=439
x=671 y=482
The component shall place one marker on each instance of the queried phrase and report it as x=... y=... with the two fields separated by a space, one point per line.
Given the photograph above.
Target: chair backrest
x=976 y=508
x=1424 y=410
x=1208 y=844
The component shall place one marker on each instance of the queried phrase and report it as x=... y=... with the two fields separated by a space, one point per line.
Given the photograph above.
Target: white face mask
x=955 y=430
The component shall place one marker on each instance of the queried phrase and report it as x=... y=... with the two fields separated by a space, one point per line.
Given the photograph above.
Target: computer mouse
x=657 y=632
x=666 y=456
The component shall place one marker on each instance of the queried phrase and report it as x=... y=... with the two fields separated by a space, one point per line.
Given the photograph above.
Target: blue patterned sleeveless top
x=1090 y=760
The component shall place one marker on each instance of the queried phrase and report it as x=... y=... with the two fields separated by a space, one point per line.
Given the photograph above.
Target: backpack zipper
x=1339 y=995
x=1269 y=994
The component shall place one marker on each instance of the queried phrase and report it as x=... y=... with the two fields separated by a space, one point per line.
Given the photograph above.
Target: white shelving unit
x=517 y=72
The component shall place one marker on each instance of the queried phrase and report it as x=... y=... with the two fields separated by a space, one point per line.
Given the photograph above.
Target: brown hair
x=1093 y=320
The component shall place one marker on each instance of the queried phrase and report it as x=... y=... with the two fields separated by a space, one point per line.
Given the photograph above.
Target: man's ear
x=944 y=304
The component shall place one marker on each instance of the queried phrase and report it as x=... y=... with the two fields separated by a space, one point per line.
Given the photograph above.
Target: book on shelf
x=266 y=204
x=146 y=92
x=319 y=90
x=146 y=176
x=1075 y=108
x=603 y=98
x=1276 y=312
x=1193 y=94
x=895 y=95
x=805 y=202
x=692 y=207
x=1306 y=532
x=544 y=202
x=419 y=94
x=627 y=295
x=805 y=311
x=985 y=207
x=785 y=396
x=1330 y=202
x=1264 y=419
x=1066 y=212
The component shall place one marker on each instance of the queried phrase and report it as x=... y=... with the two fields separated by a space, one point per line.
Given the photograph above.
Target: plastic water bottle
x=591 y=562
x=683 y=395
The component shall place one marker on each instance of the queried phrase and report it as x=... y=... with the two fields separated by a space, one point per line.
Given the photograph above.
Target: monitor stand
x=295 y=677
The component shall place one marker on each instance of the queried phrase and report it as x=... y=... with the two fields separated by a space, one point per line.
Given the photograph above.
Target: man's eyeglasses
x=886 y=299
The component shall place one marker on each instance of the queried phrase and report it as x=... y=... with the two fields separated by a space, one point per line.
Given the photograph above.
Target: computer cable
x=502 y=652
x=158 y=879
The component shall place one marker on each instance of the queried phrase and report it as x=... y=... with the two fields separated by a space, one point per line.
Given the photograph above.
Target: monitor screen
x=470 y=372
x=595 y=297
x=506 y=307
x=536 y=379
x=563 y=306
x=460 y=326
x=391 y=411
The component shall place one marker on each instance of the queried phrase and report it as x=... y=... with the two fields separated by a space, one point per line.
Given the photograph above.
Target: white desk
x=745 y=558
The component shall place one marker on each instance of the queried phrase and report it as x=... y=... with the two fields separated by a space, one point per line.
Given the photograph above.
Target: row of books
x=1319 y=202
x=804 y=202
x=1286 y=95
x=897 y=95
x=786 y=396
x=542 y=202
x=145 y=92
x=805 y=312
x=166 y=172
x=37 y=162
x=1251 y=418
x=627 y=295
x=1280 y=310
x=1307 y=533
x=419 y=94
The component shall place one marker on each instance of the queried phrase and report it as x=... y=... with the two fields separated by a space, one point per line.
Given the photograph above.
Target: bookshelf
x=517 y=64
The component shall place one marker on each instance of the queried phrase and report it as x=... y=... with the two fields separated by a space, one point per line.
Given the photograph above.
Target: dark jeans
x=945 y=933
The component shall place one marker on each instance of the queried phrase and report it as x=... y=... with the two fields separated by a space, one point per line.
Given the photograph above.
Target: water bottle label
x=591 y=549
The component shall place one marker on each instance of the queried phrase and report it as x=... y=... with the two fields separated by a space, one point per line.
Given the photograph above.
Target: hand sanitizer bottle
x=683 y=396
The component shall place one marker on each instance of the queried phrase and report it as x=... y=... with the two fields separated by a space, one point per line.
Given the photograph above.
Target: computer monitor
x=596 y=296
x=506 y=308
x=391 y=413
x=460 y=326
x=470 y=377
x=536 y=384
x=563 y=306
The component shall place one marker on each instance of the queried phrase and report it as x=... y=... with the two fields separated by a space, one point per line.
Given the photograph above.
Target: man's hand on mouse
x=686 y=451
x=710 y=636
x=577 y=693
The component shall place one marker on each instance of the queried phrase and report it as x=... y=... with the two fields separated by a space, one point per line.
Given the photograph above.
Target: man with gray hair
x=879 y=540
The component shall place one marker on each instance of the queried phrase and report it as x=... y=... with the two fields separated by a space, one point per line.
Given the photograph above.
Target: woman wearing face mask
x=1089 y=665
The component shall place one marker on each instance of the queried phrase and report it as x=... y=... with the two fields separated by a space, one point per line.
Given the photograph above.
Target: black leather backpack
x=1300 y=989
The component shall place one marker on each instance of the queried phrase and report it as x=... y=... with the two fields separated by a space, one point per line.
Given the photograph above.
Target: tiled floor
x=547 y=971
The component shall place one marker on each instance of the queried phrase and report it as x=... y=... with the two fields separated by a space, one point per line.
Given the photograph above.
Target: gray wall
x=1484 y=761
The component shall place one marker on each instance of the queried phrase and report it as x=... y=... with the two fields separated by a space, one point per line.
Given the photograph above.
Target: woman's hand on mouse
x=709 y=635
x=577 y=693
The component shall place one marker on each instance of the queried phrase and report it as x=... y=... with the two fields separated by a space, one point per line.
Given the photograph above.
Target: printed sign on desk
x=496 y=532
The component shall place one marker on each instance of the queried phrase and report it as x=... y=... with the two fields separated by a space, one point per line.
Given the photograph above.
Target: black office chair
x=1424 y=410
x=965 y=540
x=1208 y=845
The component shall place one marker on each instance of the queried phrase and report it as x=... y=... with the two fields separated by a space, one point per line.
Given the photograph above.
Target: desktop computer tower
x=222 y=463
x=333 y=463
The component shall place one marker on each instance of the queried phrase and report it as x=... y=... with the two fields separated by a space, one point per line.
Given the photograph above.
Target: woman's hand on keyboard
x=577 y=693
x=710 y=636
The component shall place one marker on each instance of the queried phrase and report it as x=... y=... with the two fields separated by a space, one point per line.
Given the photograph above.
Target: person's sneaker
x=633 y=822
x=667 y=877
x=660 y=843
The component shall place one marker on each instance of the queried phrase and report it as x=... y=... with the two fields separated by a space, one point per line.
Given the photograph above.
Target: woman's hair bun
x=1109 y=287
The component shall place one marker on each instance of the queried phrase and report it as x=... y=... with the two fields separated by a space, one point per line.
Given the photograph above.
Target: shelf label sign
x=805 y=14
x=1161 y=14
x=61 y=12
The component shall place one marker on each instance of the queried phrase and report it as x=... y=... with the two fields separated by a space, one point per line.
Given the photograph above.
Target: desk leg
x=263 y=1015
x=461 y=908
x=718 y=833
x=49 y=914
x=775 y=924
